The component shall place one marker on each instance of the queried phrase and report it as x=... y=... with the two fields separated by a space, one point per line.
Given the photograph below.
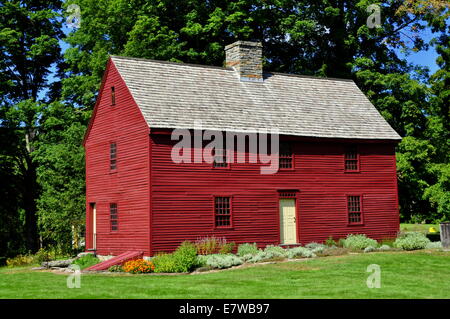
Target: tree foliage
x=44 y=120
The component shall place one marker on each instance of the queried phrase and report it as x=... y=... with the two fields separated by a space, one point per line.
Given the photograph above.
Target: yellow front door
x=288 y=227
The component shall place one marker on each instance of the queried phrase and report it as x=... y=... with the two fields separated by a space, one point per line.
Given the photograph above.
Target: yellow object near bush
x=432 y=230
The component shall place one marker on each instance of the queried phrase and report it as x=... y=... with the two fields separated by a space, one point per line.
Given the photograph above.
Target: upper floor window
x=222 y=211
x=220 y=158
x=112 y=156
x=113 y=95
x=286 y=155
x=354 y=209
x=114 y=216
x=351 y=159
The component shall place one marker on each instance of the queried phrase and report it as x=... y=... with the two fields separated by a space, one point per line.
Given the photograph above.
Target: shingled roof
x=173 y=95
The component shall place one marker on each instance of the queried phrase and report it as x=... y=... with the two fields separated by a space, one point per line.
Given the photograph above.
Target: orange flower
x=138 y=266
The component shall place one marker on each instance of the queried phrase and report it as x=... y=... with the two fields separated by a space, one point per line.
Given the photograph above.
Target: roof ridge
x=311 y=76
x=173 y=63
x=228 y=68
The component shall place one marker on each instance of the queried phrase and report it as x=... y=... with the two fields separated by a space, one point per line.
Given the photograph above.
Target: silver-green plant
x=359 y=241
x=276 y=251
x=247 y=249
x=220 y=261
x=411 y=241
x=303 y=252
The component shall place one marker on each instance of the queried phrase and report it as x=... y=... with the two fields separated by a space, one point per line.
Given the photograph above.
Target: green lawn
x=420 y=274
x=418 y=227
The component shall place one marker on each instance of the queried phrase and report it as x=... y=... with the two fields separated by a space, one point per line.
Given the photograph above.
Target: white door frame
x=282 y=222
x=93 y=207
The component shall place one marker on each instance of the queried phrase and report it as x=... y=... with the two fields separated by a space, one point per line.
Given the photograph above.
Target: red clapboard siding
x=161 y=203
x=183 y=193
x=129 y=185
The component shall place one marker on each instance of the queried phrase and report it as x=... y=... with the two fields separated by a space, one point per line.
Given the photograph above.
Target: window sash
x=285 y=155
x=222 y=211
x=220 y=158
x=351 y=159
x=114 y=216
x=113 y=156
x=354 y=209
x=113 y=95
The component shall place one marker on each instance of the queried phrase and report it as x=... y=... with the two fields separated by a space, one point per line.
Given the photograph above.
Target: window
x=351 y=159
x=220 y=158
x=222 y=211
x=286 y=157
x=113 y=214
x=288 y=194
x=354 y=209
x=113 y=95
x=113 y=156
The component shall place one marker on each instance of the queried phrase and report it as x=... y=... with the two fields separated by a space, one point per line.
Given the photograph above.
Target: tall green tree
x=324 y=38
x=29 y=33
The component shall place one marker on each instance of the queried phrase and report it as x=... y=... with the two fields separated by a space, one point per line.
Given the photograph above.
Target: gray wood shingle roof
x=173 y=95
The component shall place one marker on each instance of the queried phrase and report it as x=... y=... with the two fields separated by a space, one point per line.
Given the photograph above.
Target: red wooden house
x=336 y=175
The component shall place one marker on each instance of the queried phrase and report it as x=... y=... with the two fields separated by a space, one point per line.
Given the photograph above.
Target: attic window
x=286 y=156
x=351 y=159
x=220 y=158
x=113 y=95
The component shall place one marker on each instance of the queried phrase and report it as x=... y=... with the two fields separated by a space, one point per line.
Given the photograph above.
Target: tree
x=29 y=33
x=60 y=155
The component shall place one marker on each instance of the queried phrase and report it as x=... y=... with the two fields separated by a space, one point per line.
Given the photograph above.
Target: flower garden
x=213 y=253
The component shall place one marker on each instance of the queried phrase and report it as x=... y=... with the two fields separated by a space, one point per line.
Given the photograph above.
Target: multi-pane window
x=354 y=209
x=286 y=156
x=113 y=214
x=222 y=211
x=113 y=156
x=220 y=158
x=351 y=159
x=113 y=95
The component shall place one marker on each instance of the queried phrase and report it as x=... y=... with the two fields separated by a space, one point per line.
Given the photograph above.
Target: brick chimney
x=246 y=58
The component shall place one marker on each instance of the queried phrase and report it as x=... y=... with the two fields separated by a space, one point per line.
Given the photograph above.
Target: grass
x=418 y=227
x=419 y=274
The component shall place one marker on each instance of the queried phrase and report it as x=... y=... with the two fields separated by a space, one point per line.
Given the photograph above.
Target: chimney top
x=246 y=58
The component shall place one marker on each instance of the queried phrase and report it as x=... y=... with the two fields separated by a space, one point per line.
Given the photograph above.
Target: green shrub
x=165 y=263
x=411 y=241
x=213 y=245
x=220 y=261
x=359 y=241
x=20 y=260
x=43 y=255
x=185 y=257
x=116 y=268
x=276 y=251
x=86 y=261
x=341 y=242
x=227 y=248
x=247 y=249
x=300 y=252
x=330 y=242
x=313 y=245
x=263 y=256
